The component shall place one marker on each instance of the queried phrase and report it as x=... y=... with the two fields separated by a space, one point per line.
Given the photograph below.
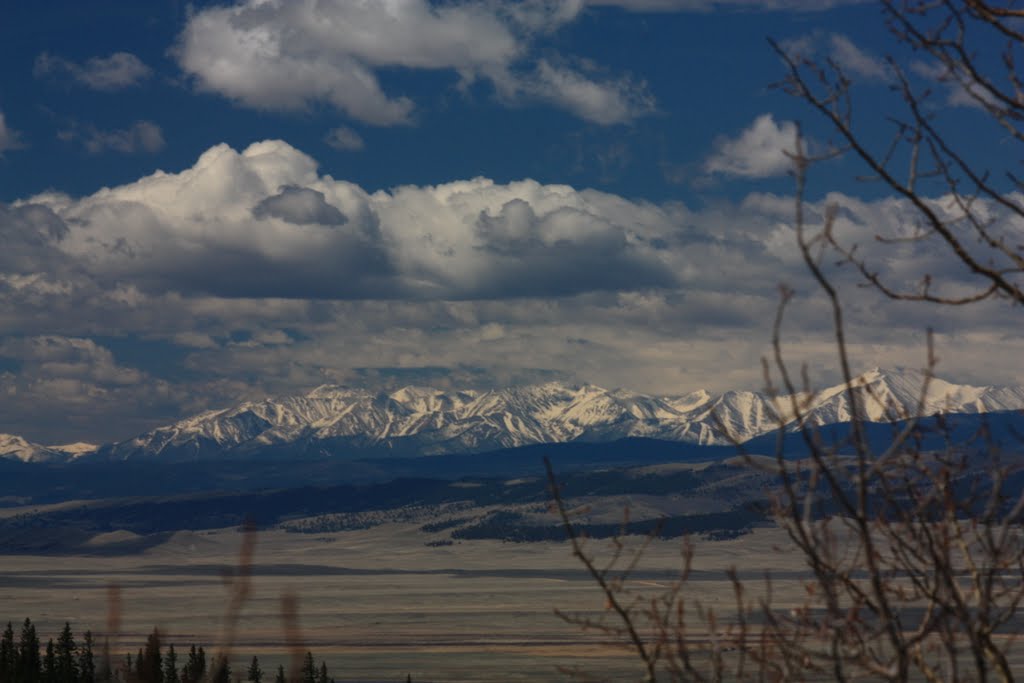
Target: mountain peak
x=333 y=390
x=878 y=373
x=423 y=420
x=75 y=450
x=16 y=447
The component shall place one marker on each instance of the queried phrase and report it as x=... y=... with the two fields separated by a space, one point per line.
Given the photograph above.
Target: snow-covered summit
x=77 y=449
x=896 y=394
x=18 y=448
x=427 y=420
x=416 y=420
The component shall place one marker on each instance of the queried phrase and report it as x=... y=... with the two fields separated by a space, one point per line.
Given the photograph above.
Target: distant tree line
x=24 y=660
x=512 y=527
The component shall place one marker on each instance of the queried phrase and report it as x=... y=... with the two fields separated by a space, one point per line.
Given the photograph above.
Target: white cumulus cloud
x=263 y=222
x=252 y=272
x=856 y=61
x=116 y=72
x=9 y=138
x=760 y=151
x=344 y=138
x=842 y=51
x=141 y=136
x=602 y=101
x=291 y=55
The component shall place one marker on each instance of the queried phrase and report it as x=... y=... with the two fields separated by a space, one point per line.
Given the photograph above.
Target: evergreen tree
x=171 y=666
x=28 y=667
x=8 y=655
x=139 y=665
x=255 y=673
x=279 y=678
x=86 y=661
x=221 y=670
x=128 y=666
x=195 y=669
x=308 y=672
x=105 y=670
x=50 y=664
x=187 y=671
x=322 y=676
x=151 y=670
x=66 y=670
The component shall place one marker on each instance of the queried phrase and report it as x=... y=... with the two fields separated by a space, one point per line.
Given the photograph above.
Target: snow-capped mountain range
x=425 y=421
x=12 y=446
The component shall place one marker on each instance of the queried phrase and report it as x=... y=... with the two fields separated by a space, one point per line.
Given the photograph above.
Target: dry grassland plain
x=375 y=604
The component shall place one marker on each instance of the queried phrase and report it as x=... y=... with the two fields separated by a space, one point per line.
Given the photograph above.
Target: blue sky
x=705 y=74
x=402 y=191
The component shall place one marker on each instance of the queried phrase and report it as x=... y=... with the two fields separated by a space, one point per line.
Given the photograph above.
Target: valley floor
x=375 y=604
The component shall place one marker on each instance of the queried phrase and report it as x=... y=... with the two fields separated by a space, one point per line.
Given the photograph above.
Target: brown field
x=374 y=604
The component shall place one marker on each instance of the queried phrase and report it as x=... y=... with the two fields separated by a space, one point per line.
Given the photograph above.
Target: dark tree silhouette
x=255 y=674
x=151 y=669
x=171 y=666
x=66 y=668
x=308 y=672
x=86 y=660
x=8 y=655
x=49 y=673
x=195 y=667
x=221 y=670
x=28 y=665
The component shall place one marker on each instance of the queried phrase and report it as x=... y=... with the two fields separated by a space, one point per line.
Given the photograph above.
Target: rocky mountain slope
x=425 y=421
x=18 y=448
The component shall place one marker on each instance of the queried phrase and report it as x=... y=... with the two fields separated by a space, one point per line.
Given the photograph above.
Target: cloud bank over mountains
x=512 y=191
x=253 y=272
x=263 y=223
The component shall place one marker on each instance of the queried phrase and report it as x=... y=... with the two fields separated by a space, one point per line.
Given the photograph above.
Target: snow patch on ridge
x=427 y=421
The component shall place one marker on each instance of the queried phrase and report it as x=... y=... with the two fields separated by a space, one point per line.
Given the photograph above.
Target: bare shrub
x=914 y=555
